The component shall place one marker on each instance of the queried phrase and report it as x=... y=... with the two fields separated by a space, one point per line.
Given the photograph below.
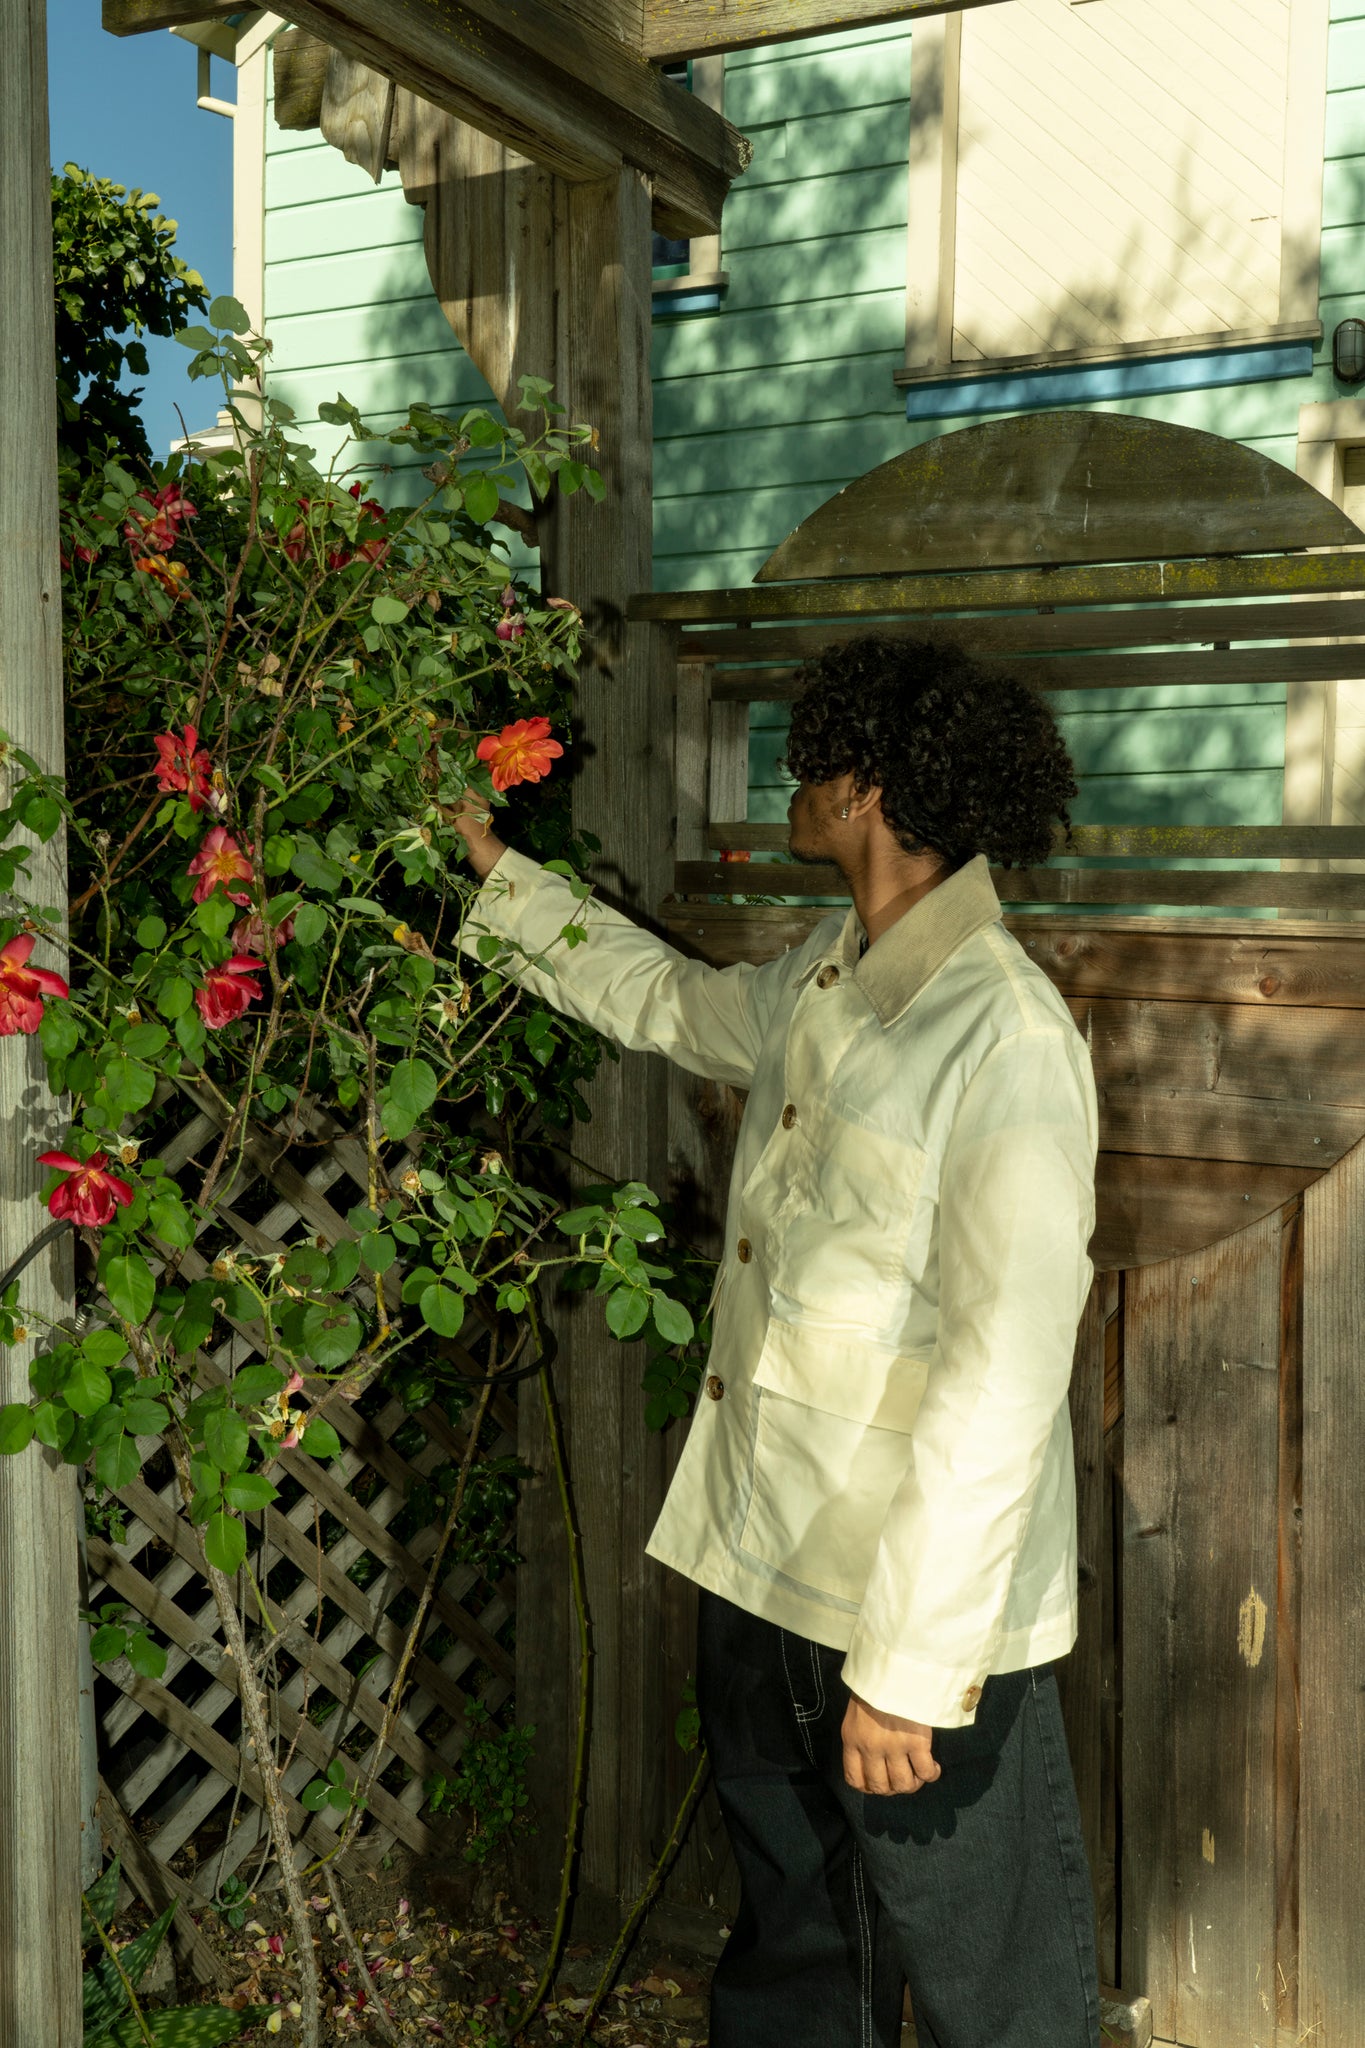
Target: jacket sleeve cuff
x=941 y=1696
x=506 y=894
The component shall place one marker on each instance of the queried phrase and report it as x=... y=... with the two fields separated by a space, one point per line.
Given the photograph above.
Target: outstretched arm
x=623 y=980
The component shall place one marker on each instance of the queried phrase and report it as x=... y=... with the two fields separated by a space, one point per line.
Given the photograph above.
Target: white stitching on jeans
x=802 y=1717
x=865 y=1950
x=819 y=1677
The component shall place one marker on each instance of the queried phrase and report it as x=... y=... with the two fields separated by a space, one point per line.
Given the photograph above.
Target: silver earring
x=844 y=812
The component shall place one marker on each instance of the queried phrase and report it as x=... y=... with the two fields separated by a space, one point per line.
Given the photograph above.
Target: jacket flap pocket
x=841 y=1372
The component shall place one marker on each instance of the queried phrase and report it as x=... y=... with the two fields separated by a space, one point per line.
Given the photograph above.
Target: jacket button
x=970 y=1697
x=715 y=1388
x=789 y=1116
x=744 y=1251
x=827 y=977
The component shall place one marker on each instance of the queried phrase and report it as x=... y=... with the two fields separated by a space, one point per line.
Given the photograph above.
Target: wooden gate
x=1216 y=1697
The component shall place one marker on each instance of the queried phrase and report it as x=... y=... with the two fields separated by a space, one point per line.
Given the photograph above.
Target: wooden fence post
x=39 y=1765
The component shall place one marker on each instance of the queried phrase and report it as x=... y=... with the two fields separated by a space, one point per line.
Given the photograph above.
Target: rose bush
x=279 y=691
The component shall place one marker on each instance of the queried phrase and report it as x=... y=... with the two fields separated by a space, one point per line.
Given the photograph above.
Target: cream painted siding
x=1120 y=172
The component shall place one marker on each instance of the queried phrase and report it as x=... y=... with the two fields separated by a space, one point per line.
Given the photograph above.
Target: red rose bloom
x=220 y=860
x=249 y=934
x=22 y=988
x=521 y=752
x=89 y=1195
x=182 y=764
x=158 y=529
x=227 y=990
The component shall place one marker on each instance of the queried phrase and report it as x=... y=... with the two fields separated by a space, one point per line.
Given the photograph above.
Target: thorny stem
x=646 y=1897
x=122 y=1974
x=374 y=2006
x=258 y=1730
x=578 y=1785
x=417 y=1624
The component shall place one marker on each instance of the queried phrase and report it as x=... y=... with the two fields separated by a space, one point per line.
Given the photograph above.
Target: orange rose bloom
x=521 y=752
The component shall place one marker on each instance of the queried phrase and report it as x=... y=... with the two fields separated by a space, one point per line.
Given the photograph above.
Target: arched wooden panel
x=1051 y=487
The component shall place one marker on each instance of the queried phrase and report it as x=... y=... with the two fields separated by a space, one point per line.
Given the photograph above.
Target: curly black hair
x=968 y=759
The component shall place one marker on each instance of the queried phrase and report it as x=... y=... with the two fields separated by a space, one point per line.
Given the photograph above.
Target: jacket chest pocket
x=840 y=1236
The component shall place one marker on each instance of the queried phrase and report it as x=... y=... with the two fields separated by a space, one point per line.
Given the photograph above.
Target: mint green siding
x=766 y=407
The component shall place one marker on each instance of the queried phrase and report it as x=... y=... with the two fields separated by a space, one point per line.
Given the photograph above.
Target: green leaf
x=16 y=1428
x=216 y=915
x=171 y=1220
x=118 y=1462
x=59 y=1034
x=86 y=1387
x=144 y=1417
x=97 y=1908
x=672 y=1321
x=480 y=497
x=314 y=868
x=627 y=1309
x=310 y=924
x=187 y=2026
x=175 y=996
x=388 y=610
x=128 y=1086
x=412 y=1089
x=151 y=933
x=332 y=1334
x=42 y=815
x=147 y=1658
x=225 y=1543
x=226 y=1438
x=256 y=1383
x=639 y=1224
x=320 y=1440
x=108 y=1642
x=378 y=1250
x=105 y=1347
x=145 y=1041
x=442 y=1310
x=315 y=1796
x=249 y=1491
x=136 y=1959
x=345 y=1265
x=225 y=311
x=578 y=1222
x=129 y=1284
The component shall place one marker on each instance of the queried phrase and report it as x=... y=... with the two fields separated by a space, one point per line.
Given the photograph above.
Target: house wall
x=768 y=405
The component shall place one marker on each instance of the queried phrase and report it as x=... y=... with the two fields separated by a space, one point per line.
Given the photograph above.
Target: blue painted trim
x=1073 y=384
x=707 y=300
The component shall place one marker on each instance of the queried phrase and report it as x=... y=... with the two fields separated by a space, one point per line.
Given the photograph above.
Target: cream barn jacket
x=884 y=1463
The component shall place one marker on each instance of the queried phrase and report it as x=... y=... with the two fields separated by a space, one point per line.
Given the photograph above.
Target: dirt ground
x=453 y=1961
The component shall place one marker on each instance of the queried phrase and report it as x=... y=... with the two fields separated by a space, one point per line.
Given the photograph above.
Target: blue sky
x=123 y=108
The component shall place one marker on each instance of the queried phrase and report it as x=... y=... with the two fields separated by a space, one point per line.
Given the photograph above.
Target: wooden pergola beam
x=695 y=28
x=550 y=87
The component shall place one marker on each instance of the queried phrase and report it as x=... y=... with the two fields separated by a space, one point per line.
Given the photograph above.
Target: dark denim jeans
x=973 y=1889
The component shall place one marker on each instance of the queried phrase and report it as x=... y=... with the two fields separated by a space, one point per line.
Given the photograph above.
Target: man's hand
x=883 y=1753
x=473 y=820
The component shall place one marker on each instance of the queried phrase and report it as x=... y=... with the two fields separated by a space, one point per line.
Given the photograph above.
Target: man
x=877 y=1496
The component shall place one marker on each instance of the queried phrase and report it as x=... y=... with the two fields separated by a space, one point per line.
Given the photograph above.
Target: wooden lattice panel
x=340 y=1560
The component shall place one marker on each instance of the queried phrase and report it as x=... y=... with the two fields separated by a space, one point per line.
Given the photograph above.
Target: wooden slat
x=1238 y=960
x=559 y=91
x=1242 y=668
x=1222 y=578
x=156 y=1886
x=1069 y=486
x=1042 y=632
x=1253 y=1082
x=1267 y=889
x=1332 y=1870
x=1133 y=842
x=1151 y=1209
x=1080 y=1676
x=1201 y=1430
x=690 y=28
x=357 y=113
x=1288 y=1623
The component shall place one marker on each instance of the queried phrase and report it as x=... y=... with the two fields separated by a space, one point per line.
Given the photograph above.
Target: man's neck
x=885 y=889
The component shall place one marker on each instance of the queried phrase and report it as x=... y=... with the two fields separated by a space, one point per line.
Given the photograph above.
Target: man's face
x=816 y=828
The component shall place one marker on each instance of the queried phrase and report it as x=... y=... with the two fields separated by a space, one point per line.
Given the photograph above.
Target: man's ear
x=866 y=802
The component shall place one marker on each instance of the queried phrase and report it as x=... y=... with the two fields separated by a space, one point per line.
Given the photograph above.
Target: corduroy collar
x=910 y=952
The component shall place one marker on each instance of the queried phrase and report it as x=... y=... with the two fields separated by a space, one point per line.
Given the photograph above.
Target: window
x=687 y=274
x=1095 y=179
